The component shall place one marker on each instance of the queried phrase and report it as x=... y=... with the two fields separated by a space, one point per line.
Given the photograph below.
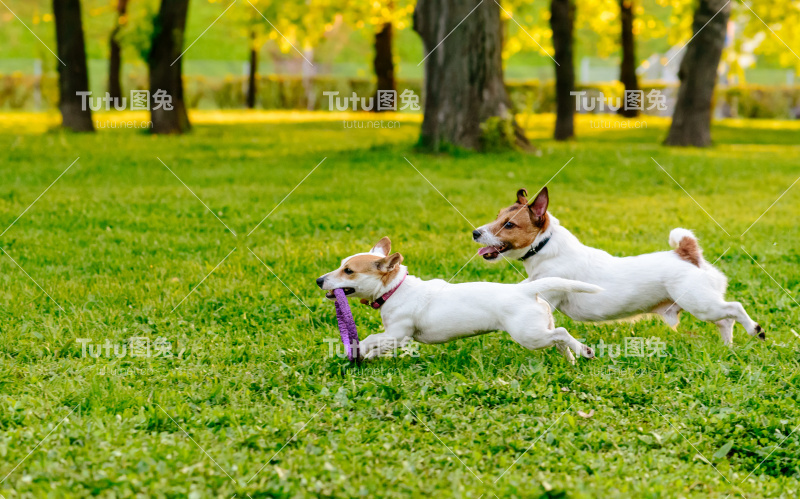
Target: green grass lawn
x=118 y=242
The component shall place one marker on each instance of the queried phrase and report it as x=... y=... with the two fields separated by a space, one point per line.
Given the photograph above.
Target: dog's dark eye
x=509 y=225
x=347 y=271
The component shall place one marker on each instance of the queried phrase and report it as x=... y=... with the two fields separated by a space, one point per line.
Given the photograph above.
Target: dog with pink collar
x=436 y=311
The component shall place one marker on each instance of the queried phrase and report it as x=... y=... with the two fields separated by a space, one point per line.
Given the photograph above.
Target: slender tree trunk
x=253 y=73
x=562 y=19
x=73 y=76
x=627 y=70
x=463 y=74
x=691 y=121
x=384 y=65
x=166 y=68
x=114 y=55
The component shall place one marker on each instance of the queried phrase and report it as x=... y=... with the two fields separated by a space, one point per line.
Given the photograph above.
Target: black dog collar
x=535 y=249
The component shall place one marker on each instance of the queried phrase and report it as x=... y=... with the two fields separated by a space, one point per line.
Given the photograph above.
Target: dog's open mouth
x=492 y=252
x=347 y=291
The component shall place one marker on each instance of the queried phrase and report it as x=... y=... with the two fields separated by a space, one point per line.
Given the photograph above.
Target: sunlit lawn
x=119 y=241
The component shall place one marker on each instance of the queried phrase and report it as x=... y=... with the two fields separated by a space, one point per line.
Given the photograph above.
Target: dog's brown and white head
x=515 y=228
x=364 y=275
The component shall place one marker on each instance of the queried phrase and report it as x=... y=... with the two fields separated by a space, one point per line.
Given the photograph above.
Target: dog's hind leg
x=562 y=337
x=558 y=337
x=726 y=330
x=566 y=352
x=753 y=328
x=715 y=309
x=551 y=325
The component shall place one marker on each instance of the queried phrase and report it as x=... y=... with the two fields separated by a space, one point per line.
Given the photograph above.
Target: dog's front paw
x=368 y=355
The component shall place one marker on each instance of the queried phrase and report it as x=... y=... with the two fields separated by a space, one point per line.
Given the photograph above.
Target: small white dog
x=662 y=283
x=437 y=311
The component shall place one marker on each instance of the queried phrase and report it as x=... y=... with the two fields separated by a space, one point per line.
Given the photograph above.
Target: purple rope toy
x=347 y=326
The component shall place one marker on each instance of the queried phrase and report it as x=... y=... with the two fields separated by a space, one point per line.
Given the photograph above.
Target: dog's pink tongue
x=487 y=249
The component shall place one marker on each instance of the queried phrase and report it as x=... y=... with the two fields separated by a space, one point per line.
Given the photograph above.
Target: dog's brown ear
x=522 y=196
x=389 y=263
x=539 y=205
x=383 y=247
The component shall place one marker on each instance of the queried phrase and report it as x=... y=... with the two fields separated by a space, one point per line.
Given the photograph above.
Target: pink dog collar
x=382 y=299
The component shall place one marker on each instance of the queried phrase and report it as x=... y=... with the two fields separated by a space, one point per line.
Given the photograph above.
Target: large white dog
x=662 y=283
x=437 y=311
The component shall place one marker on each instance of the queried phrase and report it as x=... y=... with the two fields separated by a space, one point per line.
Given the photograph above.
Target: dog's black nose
x=320 y=280
x=476 y=234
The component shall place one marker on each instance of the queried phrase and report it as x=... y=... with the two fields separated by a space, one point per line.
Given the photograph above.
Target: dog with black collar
x=662 y=283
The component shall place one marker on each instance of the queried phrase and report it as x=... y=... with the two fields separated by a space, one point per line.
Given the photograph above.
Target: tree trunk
x=691 y=121
x=463 y=74
x=73 y=76
x=384 y=67
x=114 y=54
x=562 y=19
x=251 y=77
x=627 y=70
x=166 y=68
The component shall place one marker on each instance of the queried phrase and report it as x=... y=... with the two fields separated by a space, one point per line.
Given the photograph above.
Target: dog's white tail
x=685 y=245
x=550 y=284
